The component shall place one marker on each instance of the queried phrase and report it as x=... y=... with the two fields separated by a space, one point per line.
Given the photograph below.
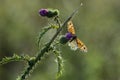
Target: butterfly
x=75 y=42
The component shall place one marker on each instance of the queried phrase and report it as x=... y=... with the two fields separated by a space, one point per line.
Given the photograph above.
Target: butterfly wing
x=73 y=45
x=70 y=27
x=81 y=45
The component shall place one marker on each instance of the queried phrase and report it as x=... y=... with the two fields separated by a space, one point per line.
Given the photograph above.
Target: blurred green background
x=97 y=24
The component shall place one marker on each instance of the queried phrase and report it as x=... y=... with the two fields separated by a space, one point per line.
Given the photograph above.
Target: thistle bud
x=68 y=36
x=43 y=12
x=63 y=40
x=49 y=12
x=52 y=13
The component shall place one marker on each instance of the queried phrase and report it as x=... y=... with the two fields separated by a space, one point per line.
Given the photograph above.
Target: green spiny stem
x=16 y=57
x=57 y=21
x=59 y=62
x=45 y=49
x=42 y=33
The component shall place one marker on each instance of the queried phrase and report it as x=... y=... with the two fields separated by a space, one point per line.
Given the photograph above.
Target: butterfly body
x=73 y=38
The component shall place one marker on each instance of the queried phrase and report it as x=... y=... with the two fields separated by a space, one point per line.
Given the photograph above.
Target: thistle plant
x=51 y=46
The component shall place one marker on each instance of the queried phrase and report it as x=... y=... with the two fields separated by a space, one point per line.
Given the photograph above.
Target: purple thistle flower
x=68 y=36
x=43 y=12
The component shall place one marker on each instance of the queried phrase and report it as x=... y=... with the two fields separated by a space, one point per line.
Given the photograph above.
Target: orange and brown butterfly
x=74 y=42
